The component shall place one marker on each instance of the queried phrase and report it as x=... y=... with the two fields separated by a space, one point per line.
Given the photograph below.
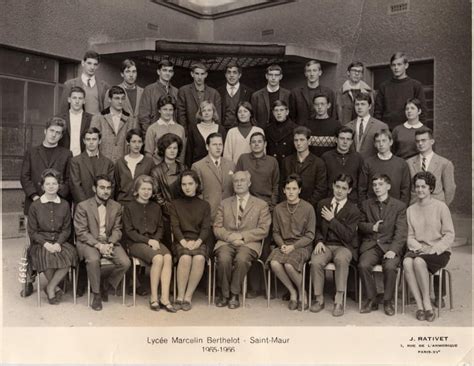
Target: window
x=29 y=94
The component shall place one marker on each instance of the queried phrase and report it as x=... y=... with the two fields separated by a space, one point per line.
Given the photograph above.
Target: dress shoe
x=169 y=307
x=59 y=294
x=420 y=314
x=430 y=315
x=178 y=304
x=370 y=305
x=338 y=310
x=27 y=290
x=222 y=301
x=316 y=307
x=97 y=302
x=186 y=306
x=293 y=305
x=388 y=308
x=104 y=291
x=51 y=300
x=154 y=305
x=300 y=305
x=234 y=302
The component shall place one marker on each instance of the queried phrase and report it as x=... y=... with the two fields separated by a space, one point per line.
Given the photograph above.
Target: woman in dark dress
x=49 y=227
x=130 y=166
x=191 y=225
x=143 y=229
x=166 y=176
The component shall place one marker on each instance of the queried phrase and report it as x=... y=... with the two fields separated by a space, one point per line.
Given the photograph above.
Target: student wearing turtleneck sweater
x=237 y=141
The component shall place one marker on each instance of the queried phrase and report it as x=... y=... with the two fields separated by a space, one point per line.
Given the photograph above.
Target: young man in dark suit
x=262 y=100
x=95 y=89
x=384 y=234
x=192 y=95
x=77 y=122
x=232 y=93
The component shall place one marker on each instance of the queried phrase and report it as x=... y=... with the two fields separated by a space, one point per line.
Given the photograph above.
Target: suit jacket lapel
x=214 y=169
x=43 y=157
x=369 y=126
x=95 y=211
x=234 y=208
x=87 y=162
x=194 y=94
x=305 y=93
x=108 y=118
x=266 y=98
x=434 y=164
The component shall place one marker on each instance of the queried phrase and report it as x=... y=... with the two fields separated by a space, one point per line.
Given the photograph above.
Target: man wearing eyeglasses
x=352 y=86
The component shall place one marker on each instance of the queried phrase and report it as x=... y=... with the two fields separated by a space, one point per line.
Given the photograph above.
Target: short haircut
x=279 y=103
x=399 y=55
x=51 y=173
x=166 y=99
x=205 y=103
x=302 y=130
x=428 y=177
x=258 y=133
x=245 y=172
x=198 y=65
x=77 y=89
x=133 y=131
x=363 y=97
x=383 y=177
x=233 y=64
x=344 y=178
x=166 y=140
x=212 y=136
x=355 y=64
x=313 y=62
x=91 y=131
x=345 y=129
x=55 y=121
x=384 y=131
x=91 y=54
x=116 y=90
x=414 y=101
x=143 y=179
x=195 y=176
x=126 y=64
x=294 y=178
x=247 y=106
x=321 y=95
x=102 y=177
x=423 y=130
x=165 y=63
x=274 y=67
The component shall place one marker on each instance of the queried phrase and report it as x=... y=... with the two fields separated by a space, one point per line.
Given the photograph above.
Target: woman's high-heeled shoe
x=51 y=300
x=168 y=307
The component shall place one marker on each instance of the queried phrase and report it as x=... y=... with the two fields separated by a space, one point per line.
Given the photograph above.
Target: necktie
x=423 y=164
x=232 y=91
x=89 y=83
x=217 y=163
x=336 y=207
x=241 y=211
x=361 y=129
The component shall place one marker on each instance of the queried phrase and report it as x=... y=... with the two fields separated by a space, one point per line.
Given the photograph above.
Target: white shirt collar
x=340 y=203
x=428 y=159
x=244 y=199
x=163 y=123
x=84 y=79
x=90 y=155
x=409 y=126
x=44 y=199
x=236 y=87
x=381 y=158
x=365 y=120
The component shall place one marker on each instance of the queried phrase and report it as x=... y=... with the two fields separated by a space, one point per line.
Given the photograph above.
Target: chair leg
x=244 y=291
x=74 y=289
x=302 y=287
x=440 y=285
x=124 y=292
x=88 y=292
x=403 y=291
x=397 y=282
x=360 y=294
x=269 y=280
x=38 y=288
x=264 y=274
x=275 y=285
x=209 y=283
x=310 y=290
x=175 y=280
x=450 y=289
x=134 y=284
x=214 y=283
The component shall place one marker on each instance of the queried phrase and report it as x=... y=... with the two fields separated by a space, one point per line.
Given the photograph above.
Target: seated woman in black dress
x=49 y=227
x=430 y=236
x=143 y=229
x=191 y=225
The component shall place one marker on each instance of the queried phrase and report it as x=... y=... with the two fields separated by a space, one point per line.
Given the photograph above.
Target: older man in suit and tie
x=262 y=100
x=365 y=126
x=114 y=123
x=98 y=224
x=241 y=223
x=192 y=95
x=215 y=173
x=428 y=160
x=77 y=122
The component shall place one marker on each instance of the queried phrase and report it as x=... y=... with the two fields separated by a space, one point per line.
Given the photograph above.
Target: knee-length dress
x=142 y=222
x=191 y=220
x=293 y=225
x=50 y=221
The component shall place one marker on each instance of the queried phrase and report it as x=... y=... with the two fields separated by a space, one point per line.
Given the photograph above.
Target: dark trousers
x=233 y=264
x=255 y=275
x=367 y=261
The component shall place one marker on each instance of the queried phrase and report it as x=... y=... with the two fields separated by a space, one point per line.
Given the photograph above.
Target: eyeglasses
x=357 y=71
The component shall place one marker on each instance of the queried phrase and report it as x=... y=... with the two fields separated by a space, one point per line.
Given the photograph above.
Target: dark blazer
x=124 y=180
x=166 y=193
x=279 y=137
x=313 y=173
x=343 y=226
x=85 y=124
x=87 y=224
x=34 y=163
x=82 y=175
x=301 y=105
x=244 y=96
x=393 y=231
x=196 y=145
x=188 y=103
x=366 y=146
x=102 y=88
x=261 y=105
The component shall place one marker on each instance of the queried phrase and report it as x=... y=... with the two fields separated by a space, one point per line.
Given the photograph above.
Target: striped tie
x=241 y=211
x=423 y=164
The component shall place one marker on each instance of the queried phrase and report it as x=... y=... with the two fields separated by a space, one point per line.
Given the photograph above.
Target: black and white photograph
x=236 y=182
